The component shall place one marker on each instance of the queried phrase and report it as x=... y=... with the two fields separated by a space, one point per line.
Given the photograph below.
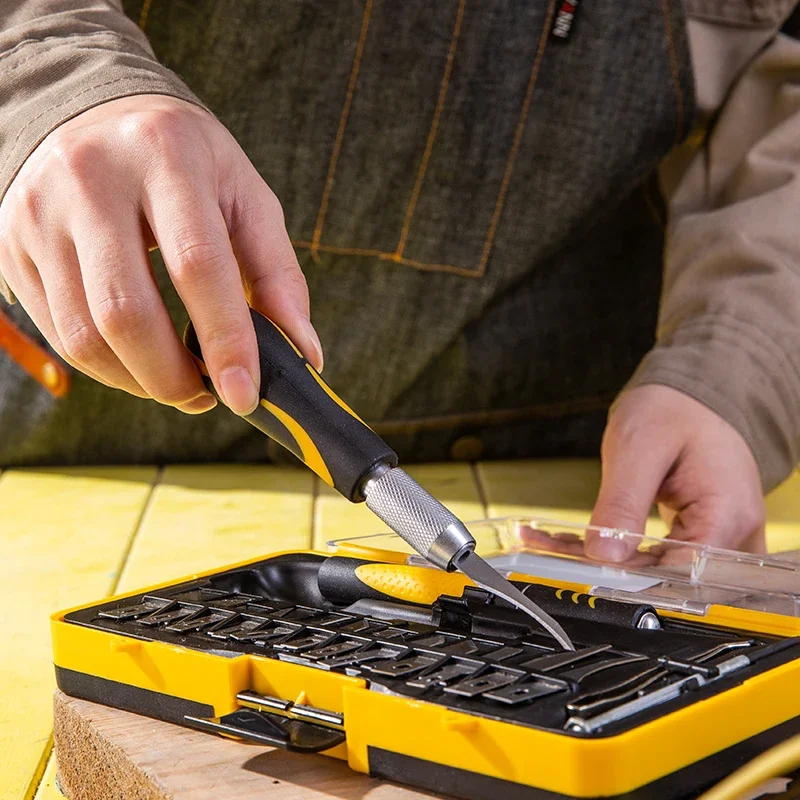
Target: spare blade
x=488 y=578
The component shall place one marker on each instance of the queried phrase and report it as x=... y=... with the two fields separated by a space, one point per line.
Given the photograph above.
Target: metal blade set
x=469 y=654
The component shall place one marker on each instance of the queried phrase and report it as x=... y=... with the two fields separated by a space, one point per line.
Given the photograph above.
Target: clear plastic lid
x=618 y=564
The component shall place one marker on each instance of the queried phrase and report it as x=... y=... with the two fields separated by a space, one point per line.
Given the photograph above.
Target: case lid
x=632 y=567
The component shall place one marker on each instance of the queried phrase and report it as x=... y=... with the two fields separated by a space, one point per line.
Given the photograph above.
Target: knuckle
x=225 y=340
x=195 y=260
x=157 y=129
x=82 y=343
x=176 y=394
x=273 y=207
x=29 y=200
x=288 y=276
x=621 y=504
x=291 y=276
x=122 y=314
x=752 y=518
x=78 y=158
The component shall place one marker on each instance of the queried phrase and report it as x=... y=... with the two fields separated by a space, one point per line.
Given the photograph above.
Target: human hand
x=104 y=188
x=661 y=446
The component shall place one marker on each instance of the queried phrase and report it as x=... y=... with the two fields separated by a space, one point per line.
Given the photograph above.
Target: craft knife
x=301 y=412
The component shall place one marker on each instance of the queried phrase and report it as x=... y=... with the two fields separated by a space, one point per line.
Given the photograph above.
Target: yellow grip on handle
x=412 y=584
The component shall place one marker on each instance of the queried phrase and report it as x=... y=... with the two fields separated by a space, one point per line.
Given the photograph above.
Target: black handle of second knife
x=300 y=411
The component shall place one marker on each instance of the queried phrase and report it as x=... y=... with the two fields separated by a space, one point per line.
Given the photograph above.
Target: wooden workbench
x=72 y=536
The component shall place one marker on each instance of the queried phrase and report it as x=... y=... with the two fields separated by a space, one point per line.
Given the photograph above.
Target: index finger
x=194 y=241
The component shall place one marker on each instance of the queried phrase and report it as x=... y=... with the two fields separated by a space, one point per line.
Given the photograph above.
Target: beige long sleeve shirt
x=729 y=327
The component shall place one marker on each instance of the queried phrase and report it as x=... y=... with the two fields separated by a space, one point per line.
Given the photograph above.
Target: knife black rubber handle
x=301 y=412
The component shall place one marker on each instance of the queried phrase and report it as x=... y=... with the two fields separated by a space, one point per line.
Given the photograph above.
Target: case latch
x=274 y=721
x=261 y=727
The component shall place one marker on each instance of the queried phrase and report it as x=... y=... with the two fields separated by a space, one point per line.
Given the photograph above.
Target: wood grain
x=63 y=534
x=201 y=517
x=204 y=517
x=104 y=754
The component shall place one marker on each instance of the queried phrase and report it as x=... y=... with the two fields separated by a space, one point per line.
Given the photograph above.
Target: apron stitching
x=673 y=64
x=412 y=205
x=144 y=14
x=385 y=256
x=517 y=137
x=351 y=87
x=315 y=247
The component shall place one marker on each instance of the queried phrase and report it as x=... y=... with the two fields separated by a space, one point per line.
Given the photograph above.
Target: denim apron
x=472 y=201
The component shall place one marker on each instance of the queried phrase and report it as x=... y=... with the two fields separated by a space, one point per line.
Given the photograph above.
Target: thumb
x=633 y=470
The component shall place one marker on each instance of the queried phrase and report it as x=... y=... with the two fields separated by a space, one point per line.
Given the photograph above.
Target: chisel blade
x=473 y=566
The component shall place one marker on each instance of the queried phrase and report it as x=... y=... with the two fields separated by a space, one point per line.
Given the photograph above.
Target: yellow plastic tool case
x=687 y=661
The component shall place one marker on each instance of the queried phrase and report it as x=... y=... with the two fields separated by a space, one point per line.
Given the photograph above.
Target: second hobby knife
x=300 y=411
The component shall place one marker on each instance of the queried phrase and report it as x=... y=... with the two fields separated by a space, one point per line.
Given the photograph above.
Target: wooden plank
x=110 y=755
x=452 y=484
x=563 y=489
x=783 y=516
x=62 y=537
x=48 y=788
x=203 y=517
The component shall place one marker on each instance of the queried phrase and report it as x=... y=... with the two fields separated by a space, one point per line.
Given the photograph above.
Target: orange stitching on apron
x=412 y=205
x=673 y=64
x=351 y=87
x=384 y=256
x=145 y=12
x=315 y=247
x=548 y=23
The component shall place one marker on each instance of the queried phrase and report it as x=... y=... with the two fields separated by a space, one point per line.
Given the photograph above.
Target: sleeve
x=61 y=57
x=729 y=322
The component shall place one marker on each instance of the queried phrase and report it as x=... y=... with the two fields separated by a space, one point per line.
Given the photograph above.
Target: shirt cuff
x=45 y=82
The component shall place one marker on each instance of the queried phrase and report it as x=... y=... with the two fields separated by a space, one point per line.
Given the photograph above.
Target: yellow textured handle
x=412 y=584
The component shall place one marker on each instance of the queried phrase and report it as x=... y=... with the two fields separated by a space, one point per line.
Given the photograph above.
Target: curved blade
x=488 y=578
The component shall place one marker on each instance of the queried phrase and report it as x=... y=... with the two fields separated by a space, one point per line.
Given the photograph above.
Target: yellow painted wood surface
x=783 y=516
x=68 y=536
x=63 y=535
x=203 y=517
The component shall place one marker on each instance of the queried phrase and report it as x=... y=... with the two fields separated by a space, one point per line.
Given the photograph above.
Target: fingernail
x=317 y=361
x=199 y=405
x=600 y=548
x=238 y=390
